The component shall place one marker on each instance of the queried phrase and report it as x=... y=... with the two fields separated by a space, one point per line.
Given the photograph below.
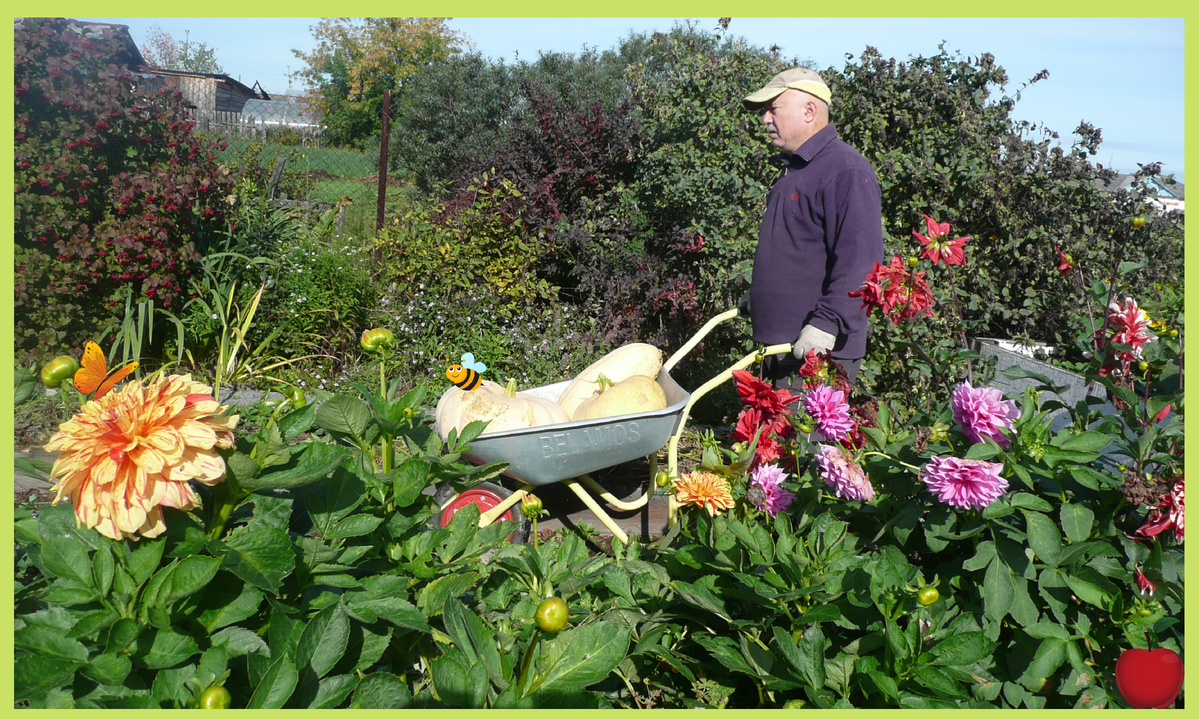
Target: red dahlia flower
x=897 y=293
x=1066 y=263
x=1166 y=515
x=761 y=396
x=939 y=245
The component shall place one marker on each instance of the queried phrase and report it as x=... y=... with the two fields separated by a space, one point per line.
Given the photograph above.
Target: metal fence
x=259 y=129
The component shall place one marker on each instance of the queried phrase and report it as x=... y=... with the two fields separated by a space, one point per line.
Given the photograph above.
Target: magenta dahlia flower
x=983 y=413
x=965 y=483
x=839 y=470
x=770 y=497
x=830 y=411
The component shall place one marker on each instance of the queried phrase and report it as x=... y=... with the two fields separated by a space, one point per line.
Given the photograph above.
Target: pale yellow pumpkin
x=635 y=394
x=503 y=408
x=624 y=362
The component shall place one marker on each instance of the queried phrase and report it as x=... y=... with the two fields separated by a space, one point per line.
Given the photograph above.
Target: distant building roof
x=279 y=112
x=1163 y=189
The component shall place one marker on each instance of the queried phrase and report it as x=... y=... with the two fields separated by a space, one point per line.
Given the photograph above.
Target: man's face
x=790 y=119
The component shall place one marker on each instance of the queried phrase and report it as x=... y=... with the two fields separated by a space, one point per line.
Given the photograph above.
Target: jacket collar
x=815 y=144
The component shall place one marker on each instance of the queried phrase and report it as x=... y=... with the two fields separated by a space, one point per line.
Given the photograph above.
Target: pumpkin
x=624 y=362
x=503 y=408
x=635 y=394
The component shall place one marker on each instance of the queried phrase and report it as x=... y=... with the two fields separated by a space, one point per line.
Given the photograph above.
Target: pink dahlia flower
x=830 y=411
x=766 y=489
x=965 y=483
x=983 y=413
x=1143 y=582
x=839 y=470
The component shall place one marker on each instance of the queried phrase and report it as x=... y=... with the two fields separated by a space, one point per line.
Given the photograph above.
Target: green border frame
x=1189 y=11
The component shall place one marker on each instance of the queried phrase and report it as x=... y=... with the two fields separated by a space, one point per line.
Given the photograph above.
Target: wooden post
x=275 y=175
x=383 y=158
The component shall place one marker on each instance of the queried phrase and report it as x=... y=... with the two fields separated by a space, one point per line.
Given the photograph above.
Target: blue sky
x=1124 y=75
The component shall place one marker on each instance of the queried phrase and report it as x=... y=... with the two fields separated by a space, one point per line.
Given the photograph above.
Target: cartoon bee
x=466 y=375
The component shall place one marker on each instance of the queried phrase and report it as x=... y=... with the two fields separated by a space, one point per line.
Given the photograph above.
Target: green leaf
x=334 y=500
x=40 y=673
x=1087 y=442
x=408 y=480
x=276 y=686
x=432 y=598
x=937 y=680
x=459 y=682
x=395 y=610
x=23 y=385
x=243 y=468
x=312 y=462
x=812 y=656
x=271 y=509
x=297 y=421
x=333 y=690
x=963 y=649
x=344 y=414
x=1044 y=537
x=1092 y=587
x=164 y=648
x=726 y=652
x=45 y=640
x=982 y=451
x=227 y=602
x=172 y=686
x=1050 y=655
x=103 y=568
x=473 y=638
x=62 y=556
x=381 y=691
x=240 y=641
x=259 y=554
x=121 y=635
x=1076 y=521
x=701 y=597
x=323 y=641
x=354 y=526
x=583 y=656
x=983 y=555
x=109 y=669
x=1026 y=501
x=1046 y=629
x=191 y=574
x=998 y=592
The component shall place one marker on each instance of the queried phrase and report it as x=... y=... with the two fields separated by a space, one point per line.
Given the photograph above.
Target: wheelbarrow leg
x=597 y=510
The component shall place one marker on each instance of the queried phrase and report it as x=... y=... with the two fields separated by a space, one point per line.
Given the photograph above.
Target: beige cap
x=801 y=79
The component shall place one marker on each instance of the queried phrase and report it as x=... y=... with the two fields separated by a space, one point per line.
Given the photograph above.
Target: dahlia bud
x=531 y=506
x=377 y=340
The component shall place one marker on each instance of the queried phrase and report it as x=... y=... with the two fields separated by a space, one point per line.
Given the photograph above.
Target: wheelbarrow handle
x=673 y=445
x=708 y=326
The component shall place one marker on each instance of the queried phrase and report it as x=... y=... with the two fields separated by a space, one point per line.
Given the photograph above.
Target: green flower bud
x=377 y=340
x=57 y=370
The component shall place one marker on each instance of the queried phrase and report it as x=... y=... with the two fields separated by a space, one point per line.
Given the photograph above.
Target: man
x=821 y=235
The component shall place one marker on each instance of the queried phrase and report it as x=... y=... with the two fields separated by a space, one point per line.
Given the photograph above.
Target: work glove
x=743 y=305
x=812 y=338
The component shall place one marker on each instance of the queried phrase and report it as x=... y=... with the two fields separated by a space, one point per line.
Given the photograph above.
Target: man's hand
x=743 y=305
x=812 y=338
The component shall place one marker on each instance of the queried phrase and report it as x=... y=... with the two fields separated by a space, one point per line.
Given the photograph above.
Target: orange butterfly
x=94 y=373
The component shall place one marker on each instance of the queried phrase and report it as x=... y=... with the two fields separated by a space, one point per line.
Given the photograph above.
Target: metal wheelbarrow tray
x=567 y=452
x=552 y=453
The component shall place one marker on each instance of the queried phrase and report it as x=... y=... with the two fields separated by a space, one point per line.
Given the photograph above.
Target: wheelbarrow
x=566 y=452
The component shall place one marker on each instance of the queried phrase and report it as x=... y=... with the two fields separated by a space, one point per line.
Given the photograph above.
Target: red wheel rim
x=485 y=499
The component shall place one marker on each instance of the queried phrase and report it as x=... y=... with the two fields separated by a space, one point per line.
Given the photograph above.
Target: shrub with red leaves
x=112 y=188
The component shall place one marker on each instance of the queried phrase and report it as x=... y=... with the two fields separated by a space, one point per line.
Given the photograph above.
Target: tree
x=164 y=51
x=355 y=60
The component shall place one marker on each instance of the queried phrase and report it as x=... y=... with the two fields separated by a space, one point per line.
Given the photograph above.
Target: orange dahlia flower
x=704 y=490
x=124 y=457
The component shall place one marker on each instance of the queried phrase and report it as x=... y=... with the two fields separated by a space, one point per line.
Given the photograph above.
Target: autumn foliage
x=112 y=188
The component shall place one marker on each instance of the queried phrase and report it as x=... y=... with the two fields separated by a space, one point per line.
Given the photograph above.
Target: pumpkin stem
x=510 y=389
x=603 y=382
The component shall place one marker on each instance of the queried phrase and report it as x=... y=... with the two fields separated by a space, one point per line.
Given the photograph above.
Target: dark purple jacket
x=822 y=234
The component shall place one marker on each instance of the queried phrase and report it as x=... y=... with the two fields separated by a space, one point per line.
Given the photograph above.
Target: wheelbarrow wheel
x=485 y=496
